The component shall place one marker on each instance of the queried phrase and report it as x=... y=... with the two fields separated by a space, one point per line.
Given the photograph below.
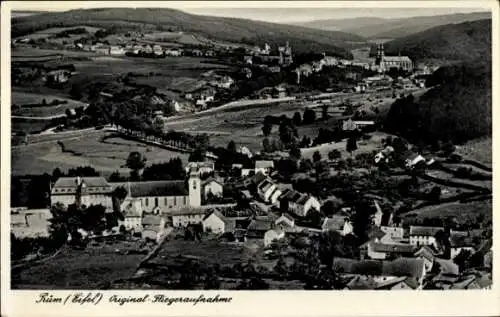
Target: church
x=385 y=63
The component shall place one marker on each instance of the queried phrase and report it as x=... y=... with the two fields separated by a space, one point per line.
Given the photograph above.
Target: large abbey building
x=385 y=63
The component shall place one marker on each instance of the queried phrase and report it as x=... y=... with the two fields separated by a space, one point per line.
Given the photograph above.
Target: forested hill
x=457 y=108
x=463 y=41
x=214 y=28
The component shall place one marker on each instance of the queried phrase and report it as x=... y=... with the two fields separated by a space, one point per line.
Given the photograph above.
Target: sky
x=281 y=11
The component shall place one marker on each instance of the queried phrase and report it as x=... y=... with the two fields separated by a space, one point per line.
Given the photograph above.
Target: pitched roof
x=459 y=241
x=154 y=188
x=426 y=252
x=188 y=211
x=424 y=231
x=211 y=179
x=392 y=248
x=376 y=233
x=216 y=213
x=151 y=220
x=264 y=164
x=260 y=224
x=89 y=182
x=362 y=282
x=334 y=222
x=258 y=178
x=399 y=267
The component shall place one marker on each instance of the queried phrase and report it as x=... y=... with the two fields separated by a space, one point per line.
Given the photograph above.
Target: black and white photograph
x=237 y=148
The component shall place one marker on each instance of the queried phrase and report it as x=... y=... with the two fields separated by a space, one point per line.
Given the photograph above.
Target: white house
x=393 y=233
x=153 y=227
x=132 y=213
x=90 y=190
x=265 y=189
x=273 y=235
x=187 y=216
x=203 y=167
x=298 y=203
x=217 y=223
x=337 y=223
x=413 y=160
x=213 y=187
x=285 y=221
x=274 y=199
x=423 y=235
x=116 y=50
x=265 y=167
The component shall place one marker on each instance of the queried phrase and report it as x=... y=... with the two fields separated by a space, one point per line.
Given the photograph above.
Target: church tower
x=380 y=55
x=194 y=188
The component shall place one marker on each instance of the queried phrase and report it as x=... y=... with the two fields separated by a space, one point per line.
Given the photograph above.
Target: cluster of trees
x=69 y=32
x=457 y=109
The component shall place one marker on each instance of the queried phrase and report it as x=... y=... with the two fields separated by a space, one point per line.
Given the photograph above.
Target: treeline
x=457 y=109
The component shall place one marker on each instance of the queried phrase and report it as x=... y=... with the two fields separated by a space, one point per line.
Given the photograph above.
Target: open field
x=479 y=150
x=464 y=213
x=81 y=269
x=105 y=156
x=22 y=99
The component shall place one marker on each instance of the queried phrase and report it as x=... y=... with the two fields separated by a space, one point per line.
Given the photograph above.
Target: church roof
x=154 y=188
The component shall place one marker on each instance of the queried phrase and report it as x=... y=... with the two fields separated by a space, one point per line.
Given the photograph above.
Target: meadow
x=479 y=150
x=105 y=156
x=30 y=105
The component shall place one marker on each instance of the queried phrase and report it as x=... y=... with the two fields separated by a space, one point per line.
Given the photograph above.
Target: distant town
x=167 y=159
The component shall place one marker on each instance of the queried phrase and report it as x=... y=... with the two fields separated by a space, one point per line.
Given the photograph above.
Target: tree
x=324 y=112
x=297 y=119
x=266 y=145
x=334 y=155
x=120 y=192
x=435 y=193
x=198 y=155
x=231 y=146
x=309 y=116
x=136 y=162
x=116 y=177
x=351 y=145
x=266 y=129
x=306 y=165
x=316 y=156
x=281 y=268
x=295 y=152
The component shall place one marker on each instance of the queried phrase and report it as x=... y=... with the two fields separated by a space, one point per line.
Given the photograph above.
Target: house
x=211 y=186
x=460 y=242
x=377 y=250
x=158 y=197
x=132 y=212
x=116 y=50
x=153 y=227
x=147 y=49
x=104 y=50
x=399 y=283
x=225 y=82
x=285 y=221
x=245 y=151
x=427 y=255
x=204 y=168
x=413 y=159
x=423 y=235
x=264 y=167
x=273 y=235
x=393 y=233
x=474 y=281
x=381 y=271
x=265 y=189
x=349 y=125
x=157 y=50
x=275 y=195
x=298 y=203
x=187 y=216
x=57 y=76
x=216 y=222
x=90 y=191
x=173 y=52
x=258 y=227
x=337 y=223
x=247 y=172
x=279 y=92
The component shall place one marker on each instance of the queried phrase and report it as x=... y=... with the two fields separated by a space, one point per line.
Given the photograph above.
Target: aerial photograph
x=251 y=149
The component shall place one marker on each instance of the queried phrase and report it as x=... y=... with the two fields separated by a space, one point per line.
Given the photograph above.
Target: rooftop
x=89 y=182
x=334 y=222
x=154 y=188
x=424 y=231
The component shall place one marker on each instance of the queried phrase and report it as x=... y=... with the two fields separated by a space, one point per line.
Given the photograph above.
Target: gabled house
x=203 y=167
x=265 y=189
x=132 y=212
x=428 y=255
x=285 y=221
x=377 y=250
x=298 y=203
x=217 y=223
x=264 y=167
x=187 y=216
x=273 y=235
x=460 y=241
x=393 y=233
x=258 y=227
x=153 y=227
x=337 y=223
x=212 y=186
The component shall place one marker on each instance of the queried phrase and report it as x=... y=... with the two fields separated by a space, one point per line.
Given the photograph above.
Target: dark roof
x=335 y=222
x=211 y=179
x=154 y=188
x=188 y=211
x=459 y=241
x=362 y=282
x=260 y=225
x=399 y=267
x=392 y=248
x=151 y=220
x=424 y=231
x=376 y=233
x=258 y=178
x=89 y=182
x=426 y=252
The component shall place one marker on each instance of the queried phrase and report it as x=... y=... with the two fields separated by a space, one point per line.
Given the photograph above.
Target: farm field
x=478 y=150
x=79 y=269
x=22 y=98
x=464 y=213
x=105 y=156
